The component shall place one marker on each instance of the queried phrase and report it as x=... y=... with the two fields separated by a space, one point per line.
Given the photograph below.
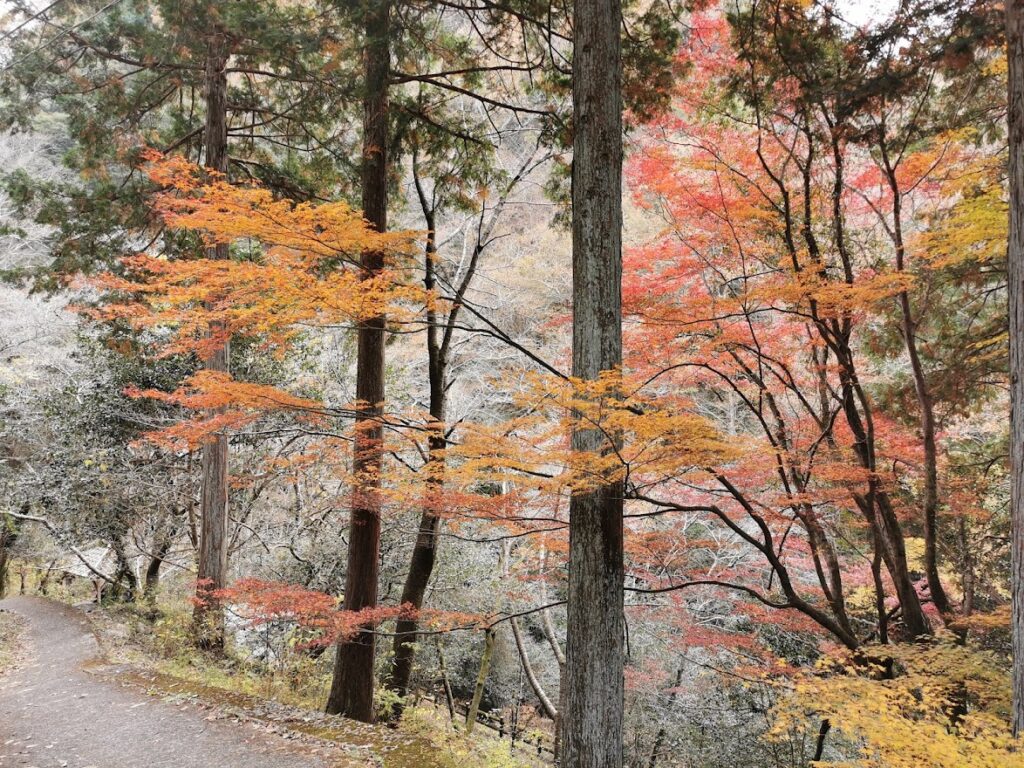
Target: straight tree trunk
x=352 y=686
x=592 y=729
x=208 y=617
x=1015 y=287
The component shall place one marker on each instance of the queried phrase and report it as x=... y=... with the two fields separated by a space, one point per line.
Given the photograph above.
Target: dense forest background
x=288 y=327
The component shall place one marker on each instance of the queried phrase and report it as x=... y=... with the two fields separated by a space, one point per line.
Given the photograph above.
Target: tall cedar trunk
x=213 y=549
x=424 y=552
x=352 y=687
x=1015 y=283
x=592 y=728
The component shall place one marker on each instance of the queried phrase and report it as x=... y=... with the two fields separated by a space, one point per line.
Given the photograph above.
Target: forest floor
x=80 y=694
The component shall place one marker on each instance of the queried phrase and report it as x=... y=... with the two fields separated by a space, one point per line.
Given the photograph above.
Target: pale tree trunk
x=1015 y=286
x=213 y=550
x=592 y=729
x=449 y=697
x=352 y=686
x=481 y=678
x=531 y=675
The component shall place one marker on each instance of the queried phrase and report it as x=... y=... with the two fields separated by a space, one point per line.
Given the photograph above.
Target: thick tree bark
x=592 y=728
x=352 y=687
x=1015 y=284
x=208 y=616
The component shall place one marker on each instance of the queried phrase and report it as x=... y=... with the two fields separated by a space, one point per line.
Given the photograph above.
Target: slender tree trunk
x=857 y=409
x=967 y=575
x=424 y=551
x=531 y=675
x=420 y=569
x=556 y=649
x=439 y=337
x=926 y=405
x=481 y=678
x=592 y=730
x=1015 y=286
x=43 y=587
x=208 y=616
x=4 y=567
x=930 y=495
x=8 y=534
x=659 y=740
x=151 y=580
x=352 y=687
x=819 y=749
x=124 y=574
x=442 y=666
x=894 y=553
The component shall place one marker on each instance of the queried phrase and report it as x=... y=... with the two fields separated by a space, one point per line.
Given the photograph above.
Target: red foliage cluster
x=319 y=614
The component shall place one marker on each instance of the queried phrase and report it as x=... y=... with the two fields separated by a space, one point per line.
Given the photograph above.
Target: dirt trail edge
x=56 y=714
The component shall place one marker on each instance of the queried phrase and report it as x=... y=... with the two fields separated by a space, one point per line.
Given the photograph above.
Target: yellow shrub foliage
x=935 y=705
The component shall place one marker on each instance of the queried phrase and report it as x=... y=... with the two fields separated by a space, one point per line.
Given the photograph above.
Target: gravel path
x=56 y=714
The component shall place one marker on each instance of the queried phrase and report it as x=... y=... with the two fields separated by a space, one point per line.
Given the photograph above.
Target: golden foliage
x=944 y=705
